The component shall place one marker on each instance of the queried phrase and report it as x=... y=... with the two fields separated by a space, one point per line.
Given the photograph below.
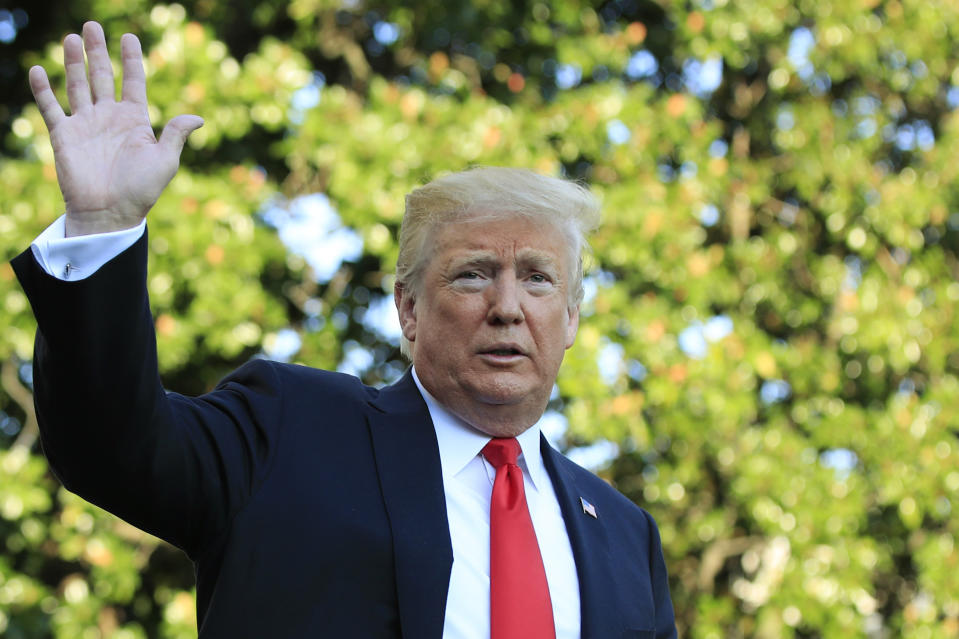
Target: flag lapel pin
x=588 y=508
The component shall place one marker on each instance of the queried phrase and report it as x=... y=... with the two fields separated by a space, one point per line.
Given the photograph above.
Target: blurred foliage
x=770 y=337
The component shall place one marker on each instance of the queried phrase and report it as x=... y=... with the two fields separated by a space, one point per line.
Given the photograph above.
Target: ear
x=405 y=310
x=572 y=325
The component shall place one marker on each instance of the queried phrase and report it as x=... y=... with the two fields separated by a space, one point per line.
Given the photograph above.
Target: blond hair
x=490 y=193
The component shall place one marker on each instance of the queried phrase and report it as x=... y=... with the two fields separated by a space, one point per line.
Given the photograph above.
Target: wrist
x=92 y=223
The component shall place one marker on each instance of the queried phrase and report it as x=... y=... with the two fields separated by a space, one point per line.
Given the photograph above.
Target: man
x=310 y=504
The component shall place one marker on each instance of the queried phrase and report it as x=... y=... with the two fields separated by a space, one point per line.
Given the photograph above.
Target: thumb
x=176 y=132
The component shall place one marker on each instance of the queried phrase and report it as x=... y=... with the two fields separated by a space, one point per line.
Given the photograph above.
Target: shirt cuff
x=79 y=257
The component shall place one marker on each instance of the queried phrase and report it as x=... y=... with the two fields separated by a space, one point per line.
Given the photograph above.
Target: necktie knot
x=501 y=451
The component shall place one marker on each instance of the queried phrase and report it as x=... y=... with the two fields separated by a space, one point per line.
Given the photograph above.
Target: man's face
x=490 y=321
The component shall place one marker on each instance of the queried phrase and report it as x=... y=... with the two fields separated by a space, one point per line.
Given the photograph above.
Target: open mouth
x=503 y=351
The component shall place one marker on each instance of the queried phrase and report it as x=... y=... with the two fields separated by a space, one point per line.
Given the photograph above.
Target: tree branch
x=10 y=380
x=716 y=555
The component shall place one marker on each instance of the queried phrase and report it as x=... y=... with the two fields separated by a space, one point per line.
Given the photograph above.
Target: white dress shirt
x=468 y=484
x=467 y=476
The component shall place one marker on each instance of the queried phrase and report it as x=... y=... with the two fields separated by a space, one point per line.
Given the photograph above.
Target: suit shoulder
x=295 y=377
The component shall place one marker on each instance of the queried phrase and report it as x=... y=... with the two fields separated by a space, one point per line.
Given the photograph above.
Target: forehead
x=519 y=237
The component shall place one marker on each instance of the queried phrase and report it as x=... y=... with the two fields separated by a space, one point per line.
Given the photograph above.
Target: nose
x=505 y=303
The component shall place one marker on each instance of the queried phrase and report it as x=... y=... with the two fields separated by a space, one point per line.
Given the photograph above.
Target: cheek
x=553 y=333
x=460 y=311
x=446 y=326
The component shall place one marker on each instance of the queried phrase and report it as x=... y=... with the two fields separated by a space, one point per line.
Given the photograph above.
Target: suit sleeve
x=174 y=466
x=665 y=616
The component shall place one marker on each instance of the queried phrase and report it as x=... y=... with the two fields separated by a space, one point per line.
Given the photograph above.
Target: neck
x=495 y=423
x=495 y=420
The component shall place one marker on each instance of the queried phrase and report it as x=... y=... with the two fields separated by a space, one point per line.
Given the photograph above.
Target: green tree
x=770 y=342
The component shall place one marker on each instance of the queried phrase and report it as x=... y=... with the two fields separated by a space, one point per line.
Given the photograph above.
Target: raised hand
x=110 y=166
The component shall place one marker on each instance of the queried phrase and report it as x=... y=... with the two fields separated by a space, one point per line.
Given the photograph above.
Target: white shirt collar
x=459 y=442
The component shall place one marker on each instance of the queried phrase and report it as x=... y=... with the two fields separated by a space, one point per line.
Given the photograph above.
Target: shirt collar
x=459 y=442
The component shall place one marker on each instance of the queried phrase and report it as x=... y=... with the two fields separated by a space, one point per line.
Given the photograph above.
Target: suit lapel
x=587 y=536
x=408 y=462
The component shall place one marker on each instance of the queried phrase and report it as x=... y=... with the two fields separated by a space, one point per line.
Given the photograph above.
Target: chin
x=503 y=410
x=502 y=391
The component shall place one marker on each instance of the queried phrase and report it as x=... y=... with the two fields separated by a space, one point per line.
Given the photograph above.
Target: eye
x=470 y=278
x=539 y=278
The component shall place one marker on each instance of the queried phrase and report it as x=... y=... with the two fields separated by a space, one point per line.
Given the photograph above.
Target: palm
x=107 y=158
x=110 y=166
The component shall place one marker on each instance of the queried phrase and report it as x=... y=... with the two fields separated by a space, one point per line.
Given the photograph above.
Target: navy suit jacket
x=310 y=504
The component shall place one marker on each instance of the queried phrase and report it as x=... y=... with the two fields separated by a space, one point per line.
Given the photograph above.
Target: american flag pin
x=588 y=508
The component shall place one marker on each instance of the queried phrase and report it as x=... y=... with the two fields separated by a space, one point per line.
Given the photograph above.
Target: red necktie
x=519 y=595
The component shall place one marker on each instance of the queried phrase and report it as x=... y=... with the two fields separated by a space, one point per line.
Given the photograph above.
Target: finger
x=101 y=71
x=78 y=91
x=134 y=80
x=50 y=109
x=176 y=132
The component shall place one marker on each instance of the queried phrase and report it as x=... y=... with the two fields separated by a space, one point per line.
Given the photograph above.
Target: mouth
x=503 y=351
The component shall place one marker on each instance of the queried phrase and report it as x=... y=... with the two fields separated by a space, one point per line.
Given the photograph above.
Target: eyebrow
x=539 y=260
x=475 y=257
x=527 y=258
